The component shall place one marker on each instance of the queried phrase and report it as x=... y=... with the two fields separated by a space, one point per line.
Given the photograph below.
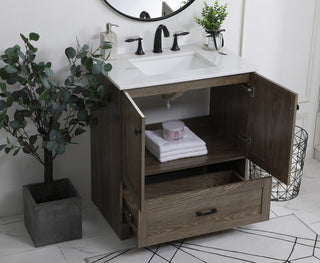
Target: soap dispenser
x=111 y=37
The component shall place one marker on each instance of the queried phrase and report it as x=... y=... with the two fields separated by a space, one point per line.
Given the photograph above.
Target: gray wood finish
x=133 y=151
x=254 y=122
x=271 y=127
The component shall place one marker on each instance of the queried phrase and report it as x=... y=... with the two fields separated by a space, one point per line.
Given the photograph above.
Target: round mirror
x=146 y=10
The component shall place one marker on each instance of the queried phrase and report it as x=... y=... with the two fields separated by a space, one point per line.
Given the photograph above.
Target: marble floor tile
x=11 y=219
x=77 y=250
x=14 y=239
x=51 y=254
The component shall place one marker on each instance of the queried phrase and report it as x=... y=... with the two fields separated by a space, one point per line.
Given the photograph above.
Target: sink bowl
x=170 y=64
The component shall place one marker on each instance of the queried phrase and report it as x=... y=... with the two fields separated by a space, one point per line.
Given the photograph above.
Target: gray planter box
x=56 y=220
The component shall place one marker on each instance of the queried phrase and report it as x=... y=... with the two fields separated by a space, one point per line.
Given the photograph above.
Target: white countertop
x=125 y=75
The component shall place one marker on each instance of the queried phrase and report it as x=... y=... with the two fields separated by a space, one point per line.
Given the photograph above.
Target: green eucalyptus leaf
x=21 y=55
x=16 y=152
x=82 y=115
x=48 y=72
x=7 y=150
x=44 y=95
x=100 y=89
x=34 y=36
x=70 y=52
x=33 y=139
x=49 y=145
x=44 y=80
x=25 y=40
x=10 y=69
x=87 y=62
x=31 y=47
x=2 y=147
x=96 y=69
x=26 y=149
x=85 y=47
x=3 y=87
x=60 y=149
x=69 y=81
x=79 y=131
x=3 y=105
x=2 y=122
x=13 y=79
x=14 y=125
x=66 y=95
x=52 y=135
x=18 y=116
x=10 y=100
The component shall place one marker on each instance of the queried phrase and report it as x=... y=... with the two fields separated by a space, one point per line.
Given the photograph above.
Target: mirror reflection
x=146 y=9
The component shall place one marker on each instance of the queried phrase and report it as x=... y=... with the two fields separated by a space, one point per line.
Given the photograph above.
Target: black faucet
x=157 y=47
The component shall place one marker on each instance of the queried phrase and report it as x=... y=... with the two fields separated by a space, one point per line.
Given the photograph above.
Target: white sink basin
x=170 y=64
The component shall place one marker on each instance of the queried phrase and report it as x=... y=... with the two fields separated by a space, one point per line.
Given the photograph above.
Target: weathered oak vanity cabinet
x=250 y=118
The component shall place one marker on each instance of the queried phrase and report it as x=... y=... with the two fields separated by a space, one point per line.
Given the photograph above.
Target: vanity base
x=250 y=118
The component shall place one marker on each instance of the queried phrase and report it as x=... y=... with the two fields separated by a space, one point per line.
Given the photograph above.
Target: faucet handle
x=139 y=49
x=175 y=46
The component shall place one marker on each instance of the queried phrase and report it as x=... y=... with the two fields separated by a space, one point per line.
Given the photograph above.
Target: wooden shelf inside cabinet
x=219 y=150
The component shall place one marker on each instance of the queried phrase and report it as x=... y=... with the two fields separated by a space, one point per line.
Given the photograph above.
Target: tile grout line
x=62 y=253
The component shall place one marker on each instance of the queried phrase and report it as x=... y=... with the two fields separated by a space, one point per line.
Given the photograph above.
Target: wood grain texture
x=271 y=127
x=174 y=217
x=229 y=113
x=219 y=149
x=190 y=183
x=133 y=148
x=188 y=85
x=106 y=180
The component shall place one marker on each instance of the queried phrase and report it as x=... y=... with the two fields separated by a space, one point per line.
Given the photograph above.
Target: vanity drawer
x=207 y=209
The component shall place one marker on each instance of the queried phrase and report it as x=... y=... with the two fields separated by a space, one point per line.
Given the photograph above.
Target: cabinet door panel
x=133 y=127
x=271 y=127
x=229 y=113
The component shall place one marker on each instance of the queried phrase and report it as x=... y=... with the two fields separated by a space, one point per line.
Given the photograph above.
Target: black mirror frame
x=151 y=19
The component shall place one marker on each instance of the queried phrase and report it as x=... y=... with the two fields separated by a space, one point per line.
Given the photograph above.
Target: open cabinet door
x=272 y=112
x=133 y=126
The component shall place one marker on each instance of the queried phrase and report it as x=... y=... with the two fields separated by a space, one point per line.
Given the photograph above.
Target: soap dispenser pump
x=111 y=37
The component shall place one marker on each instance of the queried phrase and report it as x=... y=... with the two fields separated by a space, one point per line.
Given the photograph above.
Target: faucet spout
x=157 y=46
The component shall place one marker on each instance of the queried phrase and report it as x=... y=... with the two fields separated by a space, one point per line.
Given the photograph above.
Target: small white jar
x=173 y=130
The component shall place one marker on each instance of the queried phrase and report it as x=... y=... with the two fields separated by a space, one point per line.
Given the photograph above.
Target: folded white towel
x=179 y=156
x=160 y=145
x=155 y=151
x=190 y=146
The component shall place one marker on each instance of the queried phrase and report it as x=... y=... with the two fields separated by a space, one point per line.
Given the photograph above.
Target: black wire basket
x=279 y=190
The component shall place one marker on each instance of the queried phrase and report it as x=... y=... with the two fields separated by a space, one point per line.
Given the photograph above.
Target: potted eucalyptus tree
x=41 y=118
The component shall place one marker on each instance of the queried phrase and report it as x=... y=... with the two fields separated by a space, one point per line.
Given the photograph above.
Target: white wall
x=58 y=23
x=282 y=39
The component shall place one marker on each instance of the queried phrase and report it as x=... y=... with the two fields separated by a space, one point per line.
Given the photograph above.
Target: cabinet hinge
x=249 y=88
x=245 y=139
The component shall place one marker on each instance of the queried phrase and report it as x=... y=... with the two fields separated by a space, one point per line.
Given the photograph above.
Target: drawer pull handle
x=211 y=211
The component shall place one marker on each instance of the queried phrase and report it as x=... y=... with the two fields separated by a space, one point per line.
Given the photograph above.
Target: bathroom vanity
x=249 y=118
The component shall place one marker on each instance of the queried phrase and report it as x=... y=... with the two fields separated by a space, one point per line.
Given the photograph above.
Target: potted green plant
x=41 y=118
x=211 y=21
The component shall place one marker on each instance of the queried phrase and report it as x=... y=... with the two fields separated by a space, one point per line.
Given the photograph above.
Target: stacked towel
x=191 y=145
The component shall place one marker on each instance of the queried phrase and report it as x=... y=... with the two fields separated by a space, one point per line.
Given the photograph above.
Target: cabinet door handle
x=136 y=131
x=211 y=211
